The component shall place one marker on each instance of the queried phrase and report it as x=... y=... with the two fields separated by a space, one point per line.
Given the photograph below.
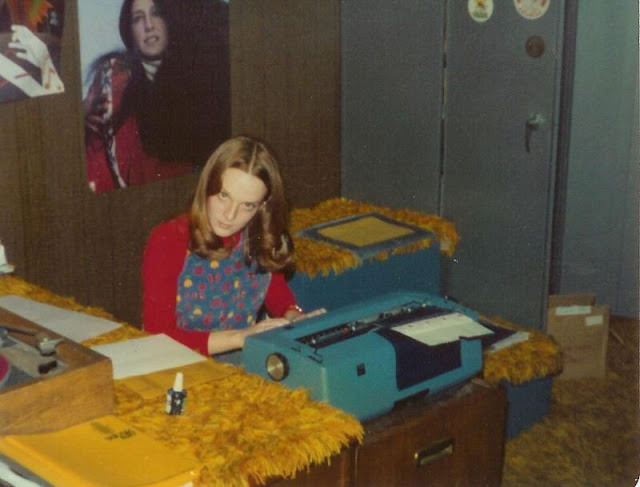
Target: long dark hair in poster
x=156 y=92
x=30 y=32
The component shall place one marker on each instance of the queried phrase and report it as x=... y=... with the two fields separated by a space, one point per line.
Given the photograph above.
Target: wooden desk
x=457 y=440
x=473 y=417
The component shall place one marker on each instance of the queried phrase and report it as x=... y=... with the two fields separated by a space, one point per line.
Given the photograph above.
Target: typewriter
x=366 y=356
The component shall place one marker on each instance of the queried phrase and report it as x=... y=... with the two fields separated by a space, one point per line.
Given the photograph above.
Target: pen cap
x=177 y=383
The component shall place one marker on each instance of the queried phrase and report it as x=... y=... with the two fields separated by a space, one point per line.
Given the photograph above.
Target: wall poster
x=30 y=33
x=156 y=88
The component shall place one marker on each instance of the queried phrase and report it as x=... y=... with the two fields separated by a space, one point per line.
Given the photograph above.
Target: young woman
x=208 y=273
x=146 y=113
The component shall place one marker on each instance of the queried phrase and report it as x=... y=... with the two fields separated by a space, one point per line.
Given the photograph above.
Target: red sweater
x=162 y=264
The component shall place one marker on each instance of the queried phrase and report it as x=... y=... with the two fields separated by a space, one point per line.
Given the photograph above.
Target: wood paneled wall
x=285 y=72
x=285 y=89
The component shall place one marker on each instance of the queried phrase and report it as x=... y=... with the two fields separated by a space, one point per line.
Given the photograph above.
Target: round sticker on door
x=532 y=9
x=480 y=10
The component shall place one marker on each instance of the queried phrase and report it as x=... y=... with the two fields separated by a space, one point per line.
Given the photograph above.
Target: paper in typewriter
x=443 y=329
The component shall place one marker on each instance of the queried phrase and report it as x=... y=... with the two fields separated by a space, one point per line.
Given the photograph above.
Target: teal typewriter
x=366 y=356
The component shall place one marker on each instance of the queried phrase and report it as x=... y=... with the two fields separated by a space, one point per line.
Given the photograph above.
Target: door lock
x=533 y=123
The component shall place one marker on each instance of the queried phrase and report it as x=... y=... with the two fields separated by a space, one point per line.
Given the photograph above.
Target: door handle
x=533 y=123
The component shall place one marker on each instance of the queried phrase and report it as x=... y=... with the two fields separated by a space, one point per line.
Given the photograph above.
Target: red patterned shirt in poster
x=114 y=154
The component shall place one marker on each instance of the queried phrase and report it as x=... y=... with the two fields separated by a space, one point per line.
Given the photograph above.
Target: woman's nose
x=230 y=211
x=148 y=23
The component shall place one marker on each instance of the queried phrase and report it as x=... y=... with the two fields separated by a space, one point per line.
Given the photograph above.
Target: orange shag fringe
x=539 y=356
x=317 y=258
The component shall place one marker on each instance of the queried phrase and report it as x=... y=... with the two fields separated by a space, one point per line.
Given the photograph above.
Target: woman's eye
x=222 y=195
x=250 y=206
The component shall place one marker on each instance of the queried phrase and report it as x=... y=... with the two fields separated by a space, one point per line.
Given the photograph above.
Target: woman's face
x=239 y=199
x=149 y=29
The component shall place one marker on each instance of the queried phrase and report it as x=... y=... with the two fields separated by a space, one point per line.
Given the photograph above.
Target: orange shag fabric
x=242 y=428
x=318 y=258
x=539 y=356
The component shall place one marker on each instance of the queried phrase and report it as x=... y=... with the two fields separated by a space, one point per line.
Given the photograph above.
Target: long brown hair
x=191 y=83
x=267 y=239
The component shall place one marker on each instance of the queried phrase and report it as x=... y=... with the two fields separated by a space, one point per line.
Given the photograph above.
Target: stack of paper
x=148 y=354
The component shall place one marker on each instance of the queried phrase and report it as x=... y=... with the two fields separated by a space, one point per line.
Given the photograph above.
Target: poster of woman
x=30 y=32
x=156 y=92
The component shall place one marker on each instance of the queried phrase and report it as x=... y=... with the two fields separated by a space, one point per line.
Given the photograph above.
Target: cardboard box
x=582 y=330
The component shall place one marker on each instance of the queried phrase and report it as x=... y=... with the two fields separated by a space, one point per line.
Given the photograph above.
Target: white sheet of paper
x=148 y=354
x=70 y=324
x=443 y=329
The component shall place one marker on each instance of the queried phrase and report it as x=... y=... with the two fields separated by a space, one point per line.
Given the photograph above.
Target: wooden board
x=82 y=391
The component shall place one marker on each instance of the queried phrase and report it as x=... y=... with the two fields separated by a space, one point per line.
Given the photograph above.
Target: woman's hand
x=97 y=112
x=227 y=340
x=264 y=325
x=298 y=314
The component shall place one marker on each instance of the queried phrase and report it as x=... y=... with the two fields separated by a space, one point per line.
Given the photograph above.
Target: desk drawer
x=460 y=442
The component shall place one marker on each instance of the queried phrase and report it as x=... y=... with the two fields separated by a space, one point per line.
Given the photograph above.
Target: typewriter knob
x=277 y=366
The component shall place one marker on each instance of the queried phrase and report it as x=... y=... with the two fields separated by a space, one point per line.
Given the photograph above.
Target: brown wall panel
x=285 y=70
x=285 y=89
x=11 y=213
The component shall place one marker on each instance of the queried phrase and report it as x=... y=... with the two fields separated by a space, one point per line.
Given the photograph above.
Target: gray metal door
x=502 y=91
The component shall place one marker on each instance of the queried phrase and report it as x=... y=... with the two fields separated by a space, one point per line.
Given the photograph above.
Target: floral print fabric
x=221 y=294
